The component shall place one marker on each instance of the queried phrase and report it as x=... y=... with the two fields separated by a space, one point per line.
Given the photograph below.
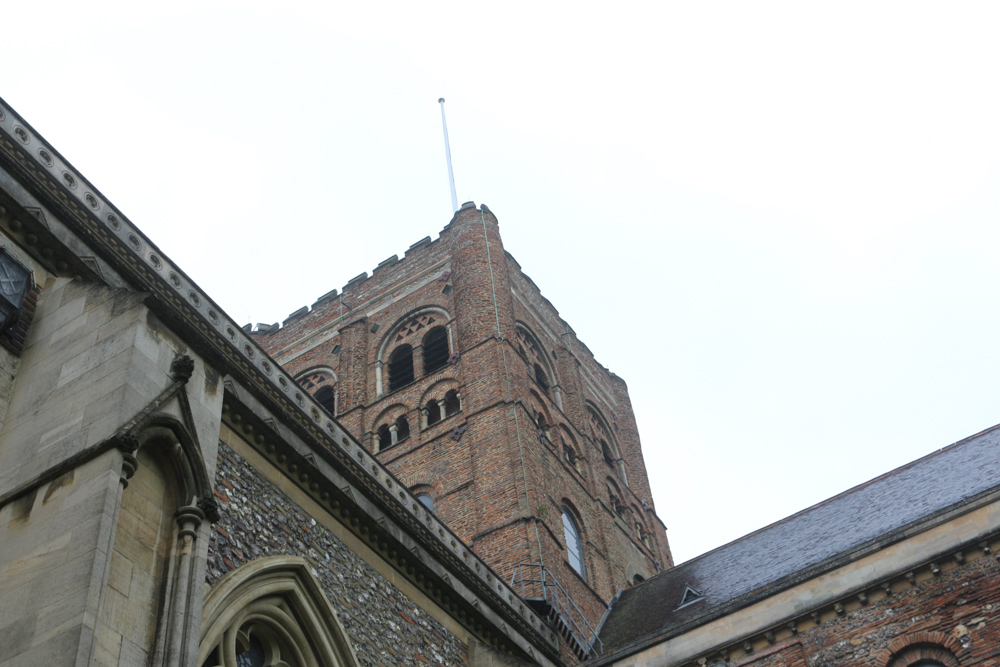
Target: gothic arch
x=280 y=603
x=166 y=496
x=183 y=452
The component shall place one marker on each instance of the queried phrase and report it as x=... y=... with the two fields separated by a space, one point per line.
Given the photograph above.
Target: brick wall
x=496 y=482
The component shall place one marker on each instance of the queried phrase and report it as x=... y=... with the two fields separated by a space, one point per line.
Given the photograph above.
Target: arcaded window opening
x=541 y=379
x=539 y=366
x=383 y=438
x=601 y=434
x=322 y=384
x=433 y=412
x=574 y=543
x=327 y=399
x=402 y=429
x=452 y=403
x=435 y=349
x=400 y=367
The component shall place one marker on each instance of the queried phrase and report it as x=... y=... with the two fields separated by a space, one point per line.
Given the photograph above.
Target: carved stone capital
x=181 y=368
x=188 y=519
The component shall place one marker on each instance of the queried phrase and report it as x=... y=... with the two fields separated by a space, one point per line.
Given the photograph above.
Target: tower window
x=427 y=500
x=574 y=546
x=384 y=438
x=541 y=378
x=433 y=412
x=452 y=403
x=435 y=349
x=401 y=367
x=326 y=397
x=402 y=429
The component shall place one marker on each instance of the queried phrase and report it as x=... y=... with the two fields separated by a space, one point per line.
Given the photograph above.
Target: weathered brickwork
x=961 y=608
x=258 y=520
x=954 y=614
x=534 y=408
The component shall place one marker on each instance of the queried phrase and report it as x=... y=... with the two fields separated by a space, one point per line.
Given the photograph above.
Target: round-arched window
x=574 y=545
x=427 y=499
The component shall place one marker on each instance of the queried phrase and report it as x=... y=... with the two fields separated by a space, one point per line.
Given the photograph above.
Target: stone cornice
x=382 y=512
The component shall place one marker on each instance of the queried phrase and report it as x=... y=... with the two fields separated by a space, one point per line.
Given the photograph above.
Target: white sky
x=777 y=222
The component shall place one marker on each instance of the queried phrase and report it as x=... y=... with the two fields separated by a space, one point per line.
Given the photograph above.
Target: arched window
x=322 y=384
x=922 y=649
x=539 y=365
x=433 y=412
x=383 y=438
x=574 y=545
x=601 y=434
x=400 y=367
x=327 y=399
x=427 y=499
x=452 y=403
x=402 y=429
x=637 y=579
x=435 y=349
x=542 y=379
x=272 y=612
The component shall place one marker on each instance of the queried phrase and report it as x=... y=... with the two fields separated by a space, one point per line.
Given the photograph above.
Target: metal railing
x=536 y=582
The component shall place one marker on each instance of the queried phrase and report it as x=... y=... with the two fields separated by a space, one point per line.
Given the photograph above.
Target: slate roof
x=815 y=539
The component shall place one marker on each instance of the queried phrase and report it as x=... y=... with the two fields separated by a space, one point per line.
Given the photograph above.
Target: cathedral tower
x=455 y=370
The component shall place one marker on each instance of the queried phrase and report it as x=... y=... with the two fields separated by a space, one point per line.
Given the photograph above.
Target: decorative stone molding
x=352 y=485
x=280 y=603
x=851 y=603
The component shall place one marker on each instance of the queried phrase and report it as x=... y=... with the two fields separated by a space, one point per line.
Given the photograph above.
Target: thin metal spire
x=447 y=153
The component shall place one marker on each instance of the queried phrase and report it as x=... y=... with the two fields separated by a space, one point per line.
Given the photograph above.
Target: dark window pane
x=401 y=367
x=435 y=349
x=326 y=398
x=253 y=656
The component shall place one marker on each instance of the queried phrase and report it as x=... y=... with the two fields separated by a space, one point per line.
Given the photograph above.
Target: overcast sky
x=778 y=223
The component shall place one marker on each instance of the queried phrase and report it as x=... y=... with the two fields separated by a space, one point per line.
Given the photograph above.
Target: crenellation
x=296 y=315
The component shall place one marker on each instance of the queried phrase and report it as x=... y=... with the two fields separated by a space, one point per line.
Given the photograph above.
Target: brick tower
x=454 y=369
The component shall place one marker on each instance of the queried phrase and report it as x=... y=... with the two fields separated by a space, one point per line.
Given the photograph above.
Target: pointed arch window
x=574 y=545
x=272 y=613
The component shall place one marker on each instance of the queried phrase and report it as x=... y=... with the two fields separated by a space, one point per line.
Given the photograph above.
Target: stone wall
x=385 y=626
